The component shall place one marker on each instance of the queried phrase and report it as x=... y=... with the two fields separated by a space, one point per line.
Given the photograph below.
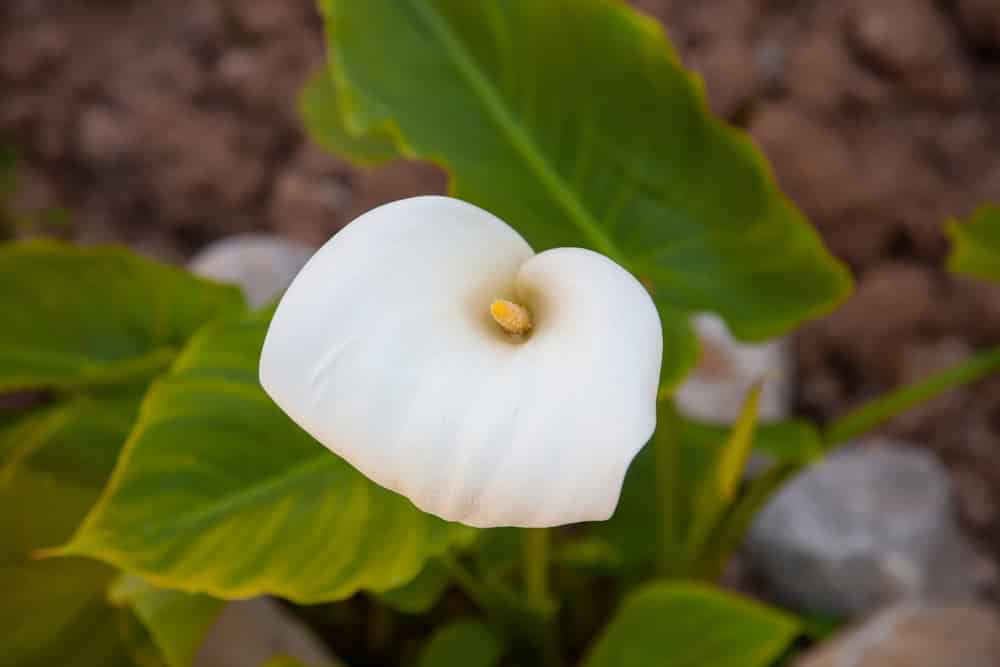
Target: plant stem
x=470 y=585
x=536 y=565
x=536 y=589
x=881 y=409
x=665 y=454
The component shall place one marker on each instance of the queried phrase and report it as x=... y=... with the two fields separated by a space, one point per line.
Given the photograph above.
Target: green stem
x=881 y=409
x=536 y=565
x=536 y=589
x=470 y=585
x=665 y=454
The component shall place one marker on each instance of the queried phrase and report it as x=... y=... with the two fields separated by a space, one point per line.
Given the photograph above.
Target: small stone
x=104 y=136
x=729 y=74
x=311 y=198
x=718 y=386
x=909 y=39
x=263 y=265
x=252 y=632
x=869 y=526
x=782 y=129
x=913 y=635
x=823 y=74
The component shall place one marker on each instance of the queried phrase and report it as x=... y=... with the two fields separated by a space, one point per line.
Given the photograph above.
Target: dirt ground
x=166 y=125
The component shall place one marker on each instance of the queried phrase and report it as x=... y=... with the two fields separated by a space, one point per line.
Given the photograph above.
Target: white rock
x=717 y=387
x=262 y=264
x=248 y=633
x=913 y=635
x=869 y=526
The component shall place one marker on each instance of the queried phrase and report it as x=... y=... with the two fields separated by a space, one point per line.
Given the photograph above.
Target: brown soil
x=166 y=128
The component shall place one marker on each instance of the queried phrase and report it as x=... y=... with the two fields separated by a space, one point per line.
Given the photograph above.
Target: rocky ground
x=167 y=129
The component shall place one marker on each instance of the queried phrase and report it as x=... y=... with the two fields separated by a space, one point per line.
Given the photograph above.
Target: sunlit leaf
x=218 y=492
x=75 y=317
x=714 y=490
x=976 y=244
x=686 y=625
x=573 y=121
x=321 y=115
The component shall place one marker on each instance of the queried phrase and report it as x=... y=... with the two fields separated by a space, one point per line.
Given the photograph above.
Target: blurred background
x=168 y=125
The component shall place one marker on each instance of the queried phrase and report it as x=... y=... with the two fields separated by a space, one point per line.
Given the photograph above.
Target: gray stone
x=263 y=265
x=912 y=635
x=718 y=385
x=869 y=526
x=248 y=633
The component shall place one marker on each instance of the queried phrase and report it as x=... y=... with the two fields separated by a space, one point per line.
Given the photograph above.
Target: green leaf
x=574 y=121
x=218 y=492
x=628 y=531
x=714 y=489
x=687 y=625
x=419 y=595
x=54 y=613
x=322 y=117
x=54 y=462
x=728 y=533
x=79 y=317
x=463 y=643
x=976 y=244
x=177 y=622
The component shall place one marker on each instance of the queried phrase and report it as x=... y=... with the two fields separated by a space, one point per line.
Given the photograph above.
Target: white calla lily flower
x=429 y=346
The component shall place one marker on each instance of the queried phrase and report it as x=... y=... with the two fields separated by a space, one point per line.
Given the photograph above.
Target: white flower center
x=512 y=317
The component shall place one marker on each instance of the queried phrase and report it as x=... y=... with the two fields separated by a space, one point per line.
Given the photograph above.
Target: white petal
x=383 y=349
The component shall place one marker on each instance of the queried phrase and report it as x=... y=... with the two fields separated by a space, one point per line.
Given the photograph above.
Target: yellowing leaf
x=218 y=492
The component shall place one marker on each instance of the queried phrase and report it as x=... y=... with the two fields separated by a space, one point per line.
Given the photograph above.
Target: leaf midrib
x=518 y=137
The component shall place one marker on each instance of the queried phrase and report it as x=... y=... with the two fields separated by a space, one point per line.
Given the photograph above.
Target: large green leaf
x=686 y=625
x=177 y=622
x=698 y=449
x=219 y=492
x=976 y=249
x=320 y=111
x=462 y=644
x=92 y=316
x=573 y=121
x=54 y=462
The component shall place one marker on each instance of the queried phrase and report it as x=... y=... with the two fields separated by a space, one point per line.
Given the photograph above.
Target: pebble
x=871 y=525
x=263 y=265
x=252 y=632
x=915 y=635
x=726 y=371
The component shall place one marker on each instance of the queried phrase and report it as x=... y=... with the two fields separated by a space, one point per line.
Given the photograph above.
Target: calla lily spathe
x=429 y=346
